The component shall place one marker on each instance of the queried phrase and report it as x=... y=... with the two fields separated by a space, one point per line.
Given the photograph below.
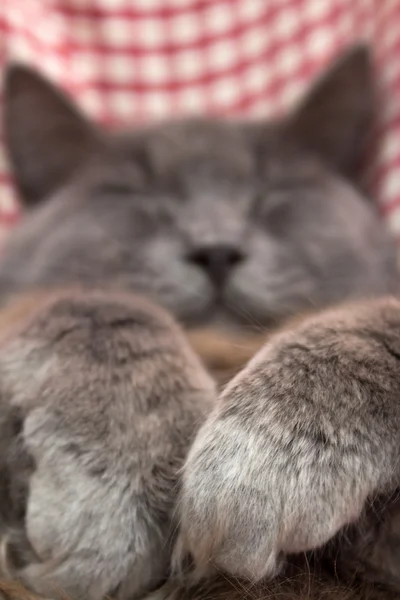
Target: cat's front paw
x=300 y=439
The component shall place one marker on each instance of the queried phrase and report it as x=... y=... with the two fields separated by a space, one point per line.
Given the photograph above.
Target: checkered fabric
x=135 y=60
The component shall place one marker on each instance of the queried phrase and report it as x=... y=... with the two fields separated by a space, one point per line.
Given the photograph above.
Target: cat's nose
x=217 y=260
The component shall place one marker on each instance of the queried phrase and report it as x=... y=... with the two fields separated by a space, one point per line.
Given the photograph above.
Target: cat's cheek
x=272 y=282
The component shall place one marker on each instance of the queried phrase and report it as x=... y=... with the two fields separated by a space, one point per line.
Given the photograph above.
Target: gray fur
x=275 y=469
x=277 y=204
x=300 y=444
x=100 y=398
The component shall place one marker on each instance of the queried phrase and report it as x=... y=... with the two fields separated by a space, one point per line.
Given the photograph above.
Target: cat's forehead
x=220 y=148
x=189 y=143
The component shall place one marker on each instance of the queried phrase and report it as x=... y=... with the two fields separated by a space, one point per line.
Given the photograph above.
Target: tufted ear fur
x=47 y=137
x=335 y=118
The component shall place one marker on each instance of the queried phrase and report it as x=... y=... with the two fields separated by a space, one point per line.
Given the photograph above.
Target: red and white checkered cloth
x=133 y=60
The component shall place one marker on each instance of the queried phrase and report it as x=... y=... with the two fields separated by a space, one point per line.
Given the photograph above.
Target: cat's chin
x=224 y=343
x=221 y=319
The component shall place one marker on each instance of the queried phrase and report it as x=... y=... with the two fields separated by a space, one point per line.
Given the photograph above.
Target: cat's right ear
x=336 y=117
x=47 y=138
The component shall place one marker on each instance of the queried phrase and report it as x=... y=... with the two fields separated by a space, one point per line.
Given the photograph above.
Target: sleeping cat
x=232 y=227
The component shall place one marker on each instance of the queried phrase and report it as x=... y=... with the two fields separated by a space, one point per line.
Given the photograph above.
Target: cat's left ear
x=47 y=137
x=335 y=118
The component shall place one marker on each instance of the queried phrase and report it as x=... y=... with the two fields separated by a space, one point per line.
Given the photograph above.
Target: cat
x=230 y=226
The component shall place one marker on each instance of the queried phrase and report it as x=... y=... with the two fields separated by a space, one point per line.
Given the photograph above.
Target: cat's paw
x=100 y=397
x=297 y=444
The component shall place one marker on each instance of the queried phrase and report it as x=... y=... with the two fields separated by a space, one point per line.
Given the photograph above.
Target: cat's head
x=235 y=222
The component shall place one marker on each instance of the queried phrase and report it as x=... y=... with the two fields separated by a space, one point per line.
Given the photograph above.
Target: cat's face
x=237 y=223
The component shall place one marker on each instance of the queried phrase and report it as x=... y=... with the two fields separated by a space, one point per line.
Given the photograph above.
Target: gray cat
x=222 y=223
x=230 y=225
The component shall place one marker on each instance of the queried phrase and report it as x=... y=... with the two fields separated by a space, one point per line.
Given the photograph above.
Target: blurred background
x=127 y=61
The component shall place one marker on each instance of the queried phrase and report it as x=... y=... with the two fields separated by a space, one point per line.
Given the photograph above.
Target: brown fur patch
x=224 y=353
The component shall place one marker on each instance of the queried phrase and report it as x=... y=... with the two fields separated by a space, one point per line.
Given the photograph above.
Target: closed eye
x=280 y=195
x=279 y=211
x=272 y=201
